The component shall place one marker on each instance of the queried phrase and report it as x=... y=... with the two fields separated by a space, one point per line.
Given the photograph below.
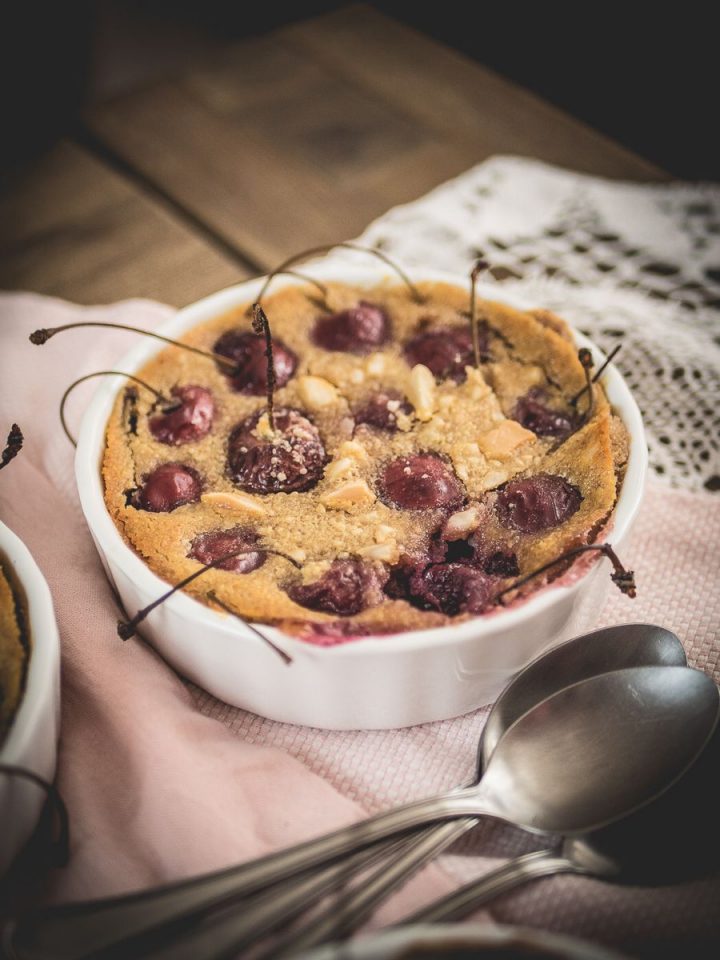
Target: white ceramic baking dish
x=31 y=742
x=374 y=683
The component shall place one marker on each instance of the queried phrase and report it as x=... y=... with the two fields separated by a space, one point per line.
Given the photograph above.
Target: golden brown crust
x=13 y=655
x=467 y=425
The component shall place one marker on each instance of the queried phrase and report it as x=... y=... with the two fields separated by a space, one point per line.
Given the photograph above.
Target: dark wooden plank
x=457 y=97
x=274 y=151
x=74 y=228
x=304 y=136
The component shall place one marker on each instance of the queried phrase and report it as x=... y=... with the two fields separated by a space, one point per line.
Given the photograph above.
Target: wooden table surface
x=279 y=143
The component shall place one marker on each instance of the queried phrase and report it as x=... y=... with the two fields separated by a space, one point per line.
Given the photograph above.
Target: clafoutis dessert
x=14 y=639
x=365 y=460
x=14 y=646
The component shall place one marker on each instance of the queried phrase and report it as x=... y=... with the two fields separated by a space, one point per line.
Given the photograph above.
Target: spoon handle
x=96 y=923
x=78 y=935
x=344 y=916
x=467 y=899
x=230 y=931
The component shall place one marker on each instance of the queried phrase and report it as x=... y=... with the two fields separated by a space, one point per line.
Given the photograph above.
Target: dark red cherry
x=190 y=420
x=208 y=547
x=168 y=486
x=421 y=481
x=452 y=588
x=359 y=329
x=442 y=550
x=348 y=587
x=537 y=503
x=381 y=410
x=492 y=555
x=248 y=351
x=292 y=459
x=445 y=351
x=535 y=415
x=501 y=563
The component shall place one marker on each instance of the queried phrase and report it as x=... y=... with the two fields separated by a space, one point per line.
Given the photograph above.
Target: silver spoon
x=675 y=838
x=550 y=772
x=611 y=648
x=98 y=924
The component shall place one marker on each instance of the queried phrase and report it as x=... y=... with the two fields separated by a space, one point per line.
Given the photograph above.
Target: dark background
x=652 y=85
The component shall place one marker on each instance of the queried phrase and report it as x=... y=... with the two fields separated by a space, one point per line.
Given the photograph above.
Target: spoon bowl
x=600 y=749
x=611 y=648
x=673 y=839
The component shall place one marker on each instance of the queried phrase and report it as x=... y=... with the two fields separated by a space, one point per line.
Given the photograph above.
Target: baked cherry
x=189 y=420
x=445 y=351
x=421 y=481
x=534 y=414
x=359 y=329
x=289 y=459
x=500 y=563
x=452 y=588
x=381 y=410
x=168 y=486
x=209 y=547
x=348 y=587
x=248 y=351
x=492 y=554
x=537 y=503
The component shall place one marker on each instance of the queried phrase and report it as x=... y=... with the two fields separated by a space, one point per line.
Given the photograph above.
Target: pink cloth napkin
x=156 y=789
x=163 y=781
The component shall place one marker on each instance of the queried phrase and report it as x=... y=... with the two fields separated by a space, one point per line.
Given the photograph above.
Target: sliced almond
x=238 y=502
x=263 y=430
x=476 y=383
x=460 y=524
x=375 y=365
x=354 y=449
x=468 y=460
x=421 y=392
x=339 y=468
x=316 y=392
x=351 y=494
x=384 y=533
x=493 y=478
x=385 y=552
x=500 y=442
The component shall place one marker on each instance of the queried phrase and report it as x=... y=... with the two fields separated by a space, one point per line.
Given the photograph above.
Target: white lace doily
x=629 y=263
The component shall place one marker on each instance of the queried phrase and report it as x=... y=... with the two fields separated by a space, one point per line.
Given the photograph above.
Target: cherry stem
x=586 y=361
x=128 y=628
x=622 y=578
x=299 y=276
x=102 y=373
x=42 y=336
x=601 y=369
x=13 y=445
x=60 y=846
x=214 y=598
x=326 y=248
x=261 y=326
x=480 y=267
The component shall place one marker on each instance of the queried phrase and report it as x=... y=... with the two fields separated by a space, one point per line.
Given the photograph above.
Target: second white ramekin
x=31 y=742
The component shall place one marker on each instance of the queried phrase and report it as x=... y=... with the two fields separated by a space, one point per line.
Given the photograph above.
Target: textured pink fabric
x=163 y=781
